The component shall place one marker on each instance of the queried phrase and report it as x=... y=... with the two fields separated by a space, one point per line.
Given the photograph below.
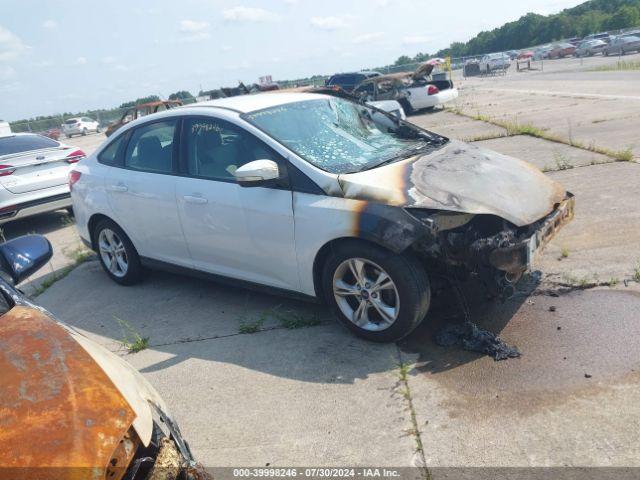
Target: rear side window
x=150 y=147
x=71 y=122
x=109 y=156
x=25 y=143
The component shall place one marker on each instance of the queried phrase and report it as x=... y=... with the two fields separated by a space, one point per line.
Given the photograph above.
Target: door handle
x=195 y=199
x=118 y=188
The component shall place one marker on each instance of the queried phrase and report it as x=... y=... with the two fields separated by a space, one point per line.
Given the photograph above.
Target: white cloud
x=194 y=30
x=415 y=40
x=290 y=2
x=108 y=60
x=10 y=45
x=50 y=24
x=226 y=48
x=191 y=26
x=249 y=14
x=368 y=37
x=81 y=61
x=120 y=68
x=329 y=23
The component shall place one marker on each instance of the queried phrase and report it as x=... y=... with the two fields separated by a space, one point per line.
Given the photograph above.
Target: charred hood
x=462 y=178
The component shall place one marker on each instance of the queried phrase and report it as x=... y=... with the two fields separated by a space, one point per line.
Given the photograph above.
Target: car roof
x=258 y=101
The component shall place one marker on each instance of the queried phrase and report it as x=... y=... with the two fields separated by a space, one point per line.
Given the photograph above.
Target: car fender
x=320 y=220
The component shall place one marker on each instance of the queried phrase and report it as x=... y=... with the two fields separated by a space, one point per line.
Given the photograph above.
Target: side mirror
x=22 y=256
x=258 y=173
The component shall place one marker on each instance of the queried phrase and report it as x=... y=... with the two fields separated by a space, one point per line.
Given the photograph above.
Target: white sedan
x=34 y=173
x=316 y=196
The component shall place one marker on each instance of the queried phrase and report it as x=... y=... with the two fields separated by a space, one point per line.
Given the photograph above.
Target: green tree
x=181 y=95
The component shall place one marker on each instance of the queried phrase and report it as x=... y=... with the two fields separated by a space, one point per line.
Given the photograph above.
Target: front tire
x=118 y=256
x=378 y=295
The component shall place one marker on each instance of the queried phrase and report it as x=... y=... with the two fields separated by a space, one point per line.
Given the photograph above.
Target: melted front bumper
x=521 y=256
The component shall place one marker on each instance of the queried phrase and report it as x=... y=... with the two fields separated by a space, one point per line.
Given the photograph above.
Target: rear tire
x=352 y=281
x=117 y=255
x=84 y=132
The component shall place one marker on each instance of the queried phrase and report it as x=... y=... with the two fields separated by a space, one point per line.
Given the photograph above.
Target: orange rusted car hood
x=58 y=408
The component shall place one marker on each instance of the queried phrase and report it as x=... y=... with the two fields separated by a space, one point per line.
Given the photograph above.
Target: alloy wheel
x=113 y=253
x=366 y=294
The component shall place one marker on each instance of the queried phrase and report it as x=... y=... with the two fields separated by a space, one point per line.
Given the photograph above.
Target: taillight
x=74 y=176
x=75 y=156
x=432 y=90
x=6 y=170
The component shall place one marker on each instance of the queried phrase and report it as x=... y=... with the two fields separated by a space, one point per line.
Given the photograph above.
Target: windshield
x=339 y=136
x=24 y=143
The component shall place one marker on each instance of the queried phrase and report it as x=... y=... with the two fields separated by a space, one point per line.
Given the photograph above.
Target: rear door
x=142 y=192
x=240 y=232
x=32 y=162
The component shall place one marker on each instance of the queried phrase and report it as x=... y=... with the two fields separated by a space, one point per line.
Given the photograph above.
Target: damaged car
x=413 y=90
x=70 y=408
x=315 y=196
x=141 y=110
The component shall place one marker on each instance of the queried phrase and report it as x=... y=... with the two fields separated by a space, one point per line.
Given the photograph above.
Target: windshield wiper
x=401 y=155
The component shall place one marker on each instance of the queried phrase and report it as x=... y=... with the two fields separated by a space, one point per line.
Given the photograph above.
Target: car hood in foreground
x=462 y=178
x=66 y=400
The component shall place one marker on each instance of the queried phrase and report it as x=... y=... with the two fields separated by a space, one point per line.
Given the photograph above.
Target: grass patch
x=636 y=272
x=132 y=341
x=515 y=128
x=293 y=320
x=250 y=327
x=620 y=65
x=562 y=161
x=78 y=256
x=564 y=253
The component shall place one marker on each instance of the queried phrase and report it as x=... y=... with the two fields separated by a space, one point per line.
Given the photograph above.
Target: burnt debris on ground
x=471 y=337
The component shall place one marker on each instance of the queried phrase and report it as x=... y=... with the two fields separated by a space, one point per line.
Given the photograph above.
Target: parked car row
x=599 y=43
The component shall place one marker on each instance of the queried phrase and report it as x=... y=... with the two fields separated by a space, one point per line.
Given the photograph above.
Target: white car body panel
x=251 y=228
x=419 y=97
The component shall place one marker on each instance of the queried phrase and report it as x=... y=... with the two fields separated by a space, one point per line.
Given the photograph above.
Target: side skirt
x=153 y=264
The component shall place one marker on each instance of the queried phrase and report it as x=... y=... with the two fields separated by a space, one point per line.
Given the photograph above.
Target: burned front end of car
x=487 y=246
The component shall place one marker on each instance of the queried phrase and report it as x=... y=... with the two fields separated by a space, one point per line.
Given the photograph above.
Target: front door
x=239 y=232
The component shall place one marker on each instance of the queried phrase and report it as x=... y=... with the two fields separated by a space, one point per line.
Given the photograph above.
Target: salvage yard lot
x=301 y=390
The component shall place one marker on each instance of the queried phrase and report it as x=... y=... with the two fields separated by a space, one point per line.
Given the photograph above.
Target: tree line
x=533 y=29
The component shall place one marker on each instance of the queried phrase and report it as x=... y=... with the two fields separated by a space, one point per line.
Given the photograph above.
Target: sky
x=71 y=55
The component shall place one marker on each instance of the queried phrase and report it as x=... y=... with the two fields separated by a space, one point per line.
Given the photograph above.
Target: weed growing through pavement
x=250 y=327
x=564 y=253
x=132 y=340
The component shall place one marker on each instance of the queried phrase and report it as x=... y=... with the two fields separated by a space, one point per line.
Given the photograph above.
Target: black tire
x=406 y=106
x=408 y=275
x=134 y=271
x=84 y=132
x=97 y=129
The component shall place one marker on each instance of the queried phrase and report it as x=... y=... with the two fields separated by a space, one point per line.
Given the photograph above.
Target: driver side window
x=215 y=149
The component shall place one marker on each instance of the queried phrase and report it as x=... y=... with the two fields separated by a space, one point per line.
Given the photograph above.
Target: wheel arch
x=325 y=251
x=93 y=222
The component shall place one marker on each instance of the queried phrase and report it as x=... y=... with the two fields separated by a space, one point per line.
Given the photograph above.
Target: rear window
x=71 y=122
x=25 y=143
